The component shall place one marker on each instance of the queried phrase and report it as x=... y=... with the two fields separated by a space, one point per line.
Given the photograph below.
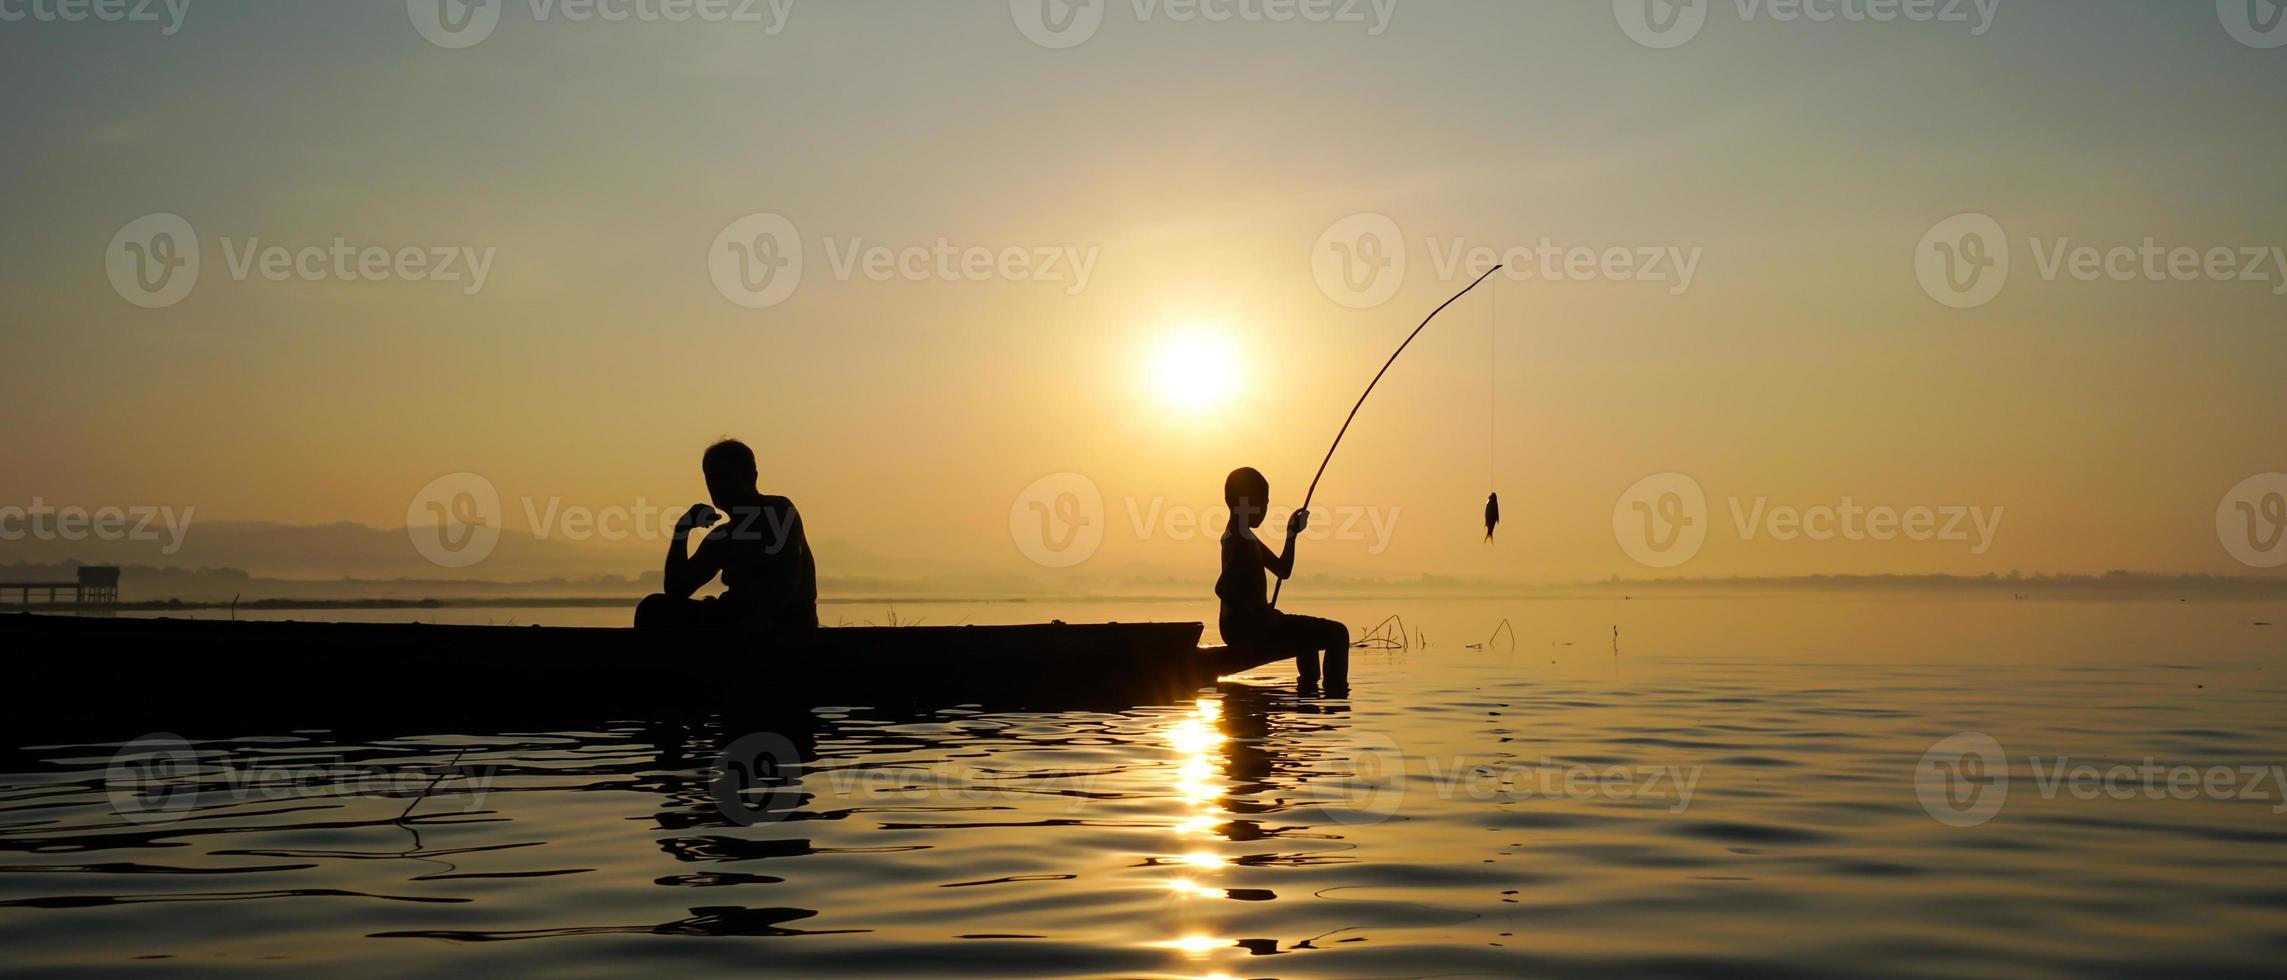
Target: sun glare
x=1194 y=370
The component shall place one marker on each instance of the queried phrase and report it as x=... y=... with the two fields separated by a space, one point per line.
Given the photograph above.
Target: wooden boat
x=159 y=669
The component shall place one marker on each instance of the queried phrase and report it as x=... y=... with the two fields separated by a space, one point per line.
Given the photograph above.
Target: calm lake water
x=1759 y=786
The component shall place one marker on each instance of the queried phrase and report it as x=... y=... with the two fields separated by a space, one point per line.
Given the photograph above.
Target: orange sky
x=1194 y=183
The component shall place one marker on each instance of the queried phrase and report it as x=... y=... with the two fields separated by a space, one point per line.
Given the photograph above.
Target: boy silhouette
x=1247 y=618
x=759 y=548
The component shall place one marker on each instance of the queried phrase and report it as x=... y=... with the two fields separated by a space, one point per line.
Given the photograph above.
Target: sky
x=1054 y=285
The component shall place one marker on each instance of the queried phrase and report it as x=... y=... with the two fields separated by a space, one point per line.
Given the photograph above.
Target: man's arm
x=687 y=573
x=805 y=564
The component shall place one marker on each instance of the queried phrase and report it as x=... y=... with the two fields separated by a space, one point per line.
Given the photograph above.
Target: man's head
x=731 y=474
x=1248 y=495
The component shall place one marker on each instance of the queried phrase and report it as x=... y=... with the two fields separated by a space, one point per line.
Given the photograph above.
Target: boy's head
x=1247 y=494
x=730 y=470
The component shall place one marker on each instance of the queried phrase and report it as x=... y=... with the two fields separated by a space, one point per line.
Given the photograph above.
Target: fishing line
x=1313 y=492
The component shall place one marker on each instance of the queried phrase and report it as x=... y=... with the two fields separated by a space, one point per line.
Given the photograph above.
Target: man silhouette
x=769 y=576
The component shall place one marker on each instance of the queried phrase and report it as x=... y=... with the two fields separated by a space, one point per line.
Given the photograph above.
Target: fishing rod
x=1313 y=493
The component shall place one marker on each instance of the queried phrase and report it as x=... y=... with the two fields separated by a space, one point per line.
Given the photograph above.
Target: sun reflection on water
x=1199 y=786
x=1195 y=945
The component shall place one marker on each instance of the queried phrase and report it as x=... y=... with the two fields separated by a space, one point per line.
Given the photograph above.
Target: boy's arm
x=1283 y=565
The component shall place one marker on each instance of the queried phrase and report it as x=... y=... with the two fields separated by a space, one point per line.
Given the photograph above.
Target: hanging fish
x=1492 y=514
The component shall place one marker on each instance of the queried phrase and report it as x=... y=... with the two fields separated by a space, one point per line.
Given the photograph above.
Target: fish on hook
x=1492 y=514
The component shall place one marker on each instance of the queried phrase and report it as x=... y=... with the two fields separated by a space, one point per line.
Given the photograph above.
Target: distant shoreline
x=2118 y=585
x=589 y=602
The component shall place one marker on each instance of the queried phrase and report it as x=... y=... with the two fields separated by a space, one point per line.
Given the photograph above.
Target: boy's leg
x=1295 y=633
x=1315 y=638
x=1334 y=638
x=1305 y=660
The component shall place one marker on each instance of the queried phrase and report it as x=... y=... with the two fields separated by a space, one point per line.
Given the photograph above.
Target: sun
x=1194 y=370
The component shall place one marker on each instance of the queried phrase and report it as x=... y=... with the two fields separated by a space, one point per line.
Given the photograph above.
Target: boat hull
x=158 y=673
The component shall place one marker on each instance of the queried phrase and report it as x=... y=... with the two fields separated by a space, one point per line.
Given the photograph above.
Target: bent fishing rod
x=1313 y=493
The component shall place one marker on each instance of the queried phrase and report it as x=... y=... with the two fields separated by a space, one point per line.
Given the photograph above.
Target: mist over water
x=1736 y=786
